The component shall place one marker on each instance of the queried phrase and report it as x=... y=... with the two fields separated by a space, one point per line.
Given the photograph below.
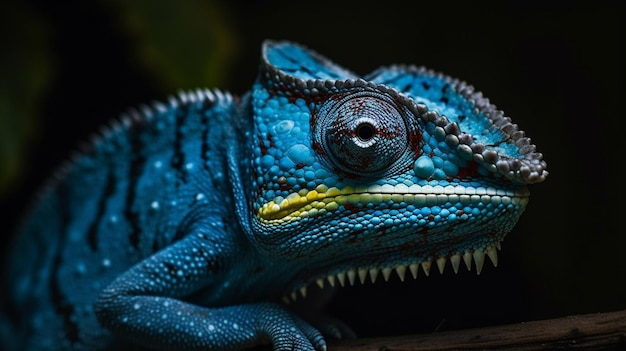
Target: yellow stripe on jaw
x=304 y=203
x=311 y=203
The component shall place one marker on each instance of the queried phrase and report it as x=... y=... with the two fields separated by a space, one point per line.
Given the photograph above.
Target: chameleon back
x=116 y=202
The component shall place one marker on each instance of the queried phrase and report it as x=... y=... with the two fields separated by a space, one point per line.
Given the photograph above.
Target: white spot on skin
x=211 y=327
x=154 y=205
x=158 y=164
x=199 y=196
x=189 y=166
x=81 y=268
x=136 y=306
x=106 y=263
x=113 y=219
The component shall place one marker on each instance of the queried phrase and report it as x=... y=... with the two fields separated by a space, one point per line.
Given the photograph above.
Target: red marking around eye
x=469 y=171
x=313 y=119
x=415 y=141
x=337 y=97
x=356 y=105
x=388 y=133
x=318 y=148
x=262 y=144
x=262 y=147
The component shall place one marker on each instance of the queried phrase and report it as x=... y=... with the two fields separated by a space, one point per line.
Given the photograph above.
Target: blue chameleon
x=192 y=224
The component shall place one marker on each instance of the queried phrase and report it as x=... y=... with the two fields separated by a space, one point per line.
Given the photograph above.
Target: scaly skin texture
x=183 y=225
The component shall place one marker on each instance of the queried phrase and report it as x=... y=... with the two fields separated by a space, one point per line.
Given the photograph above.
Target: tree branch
x=599 y=331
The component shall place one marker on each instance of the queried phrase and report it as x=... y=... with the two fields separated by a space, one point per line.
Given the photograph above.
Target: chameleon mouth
x=354 y=275
x=312 y=203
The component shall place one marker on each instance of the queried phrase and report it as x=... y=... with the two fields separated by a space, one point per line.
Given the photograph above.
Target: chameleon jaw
x=361 y=274
x=312 y=203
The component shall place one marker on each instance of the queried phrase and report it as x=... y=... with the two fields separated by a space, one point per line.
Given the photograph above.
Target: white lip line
x=351 y=276
x=440 y=190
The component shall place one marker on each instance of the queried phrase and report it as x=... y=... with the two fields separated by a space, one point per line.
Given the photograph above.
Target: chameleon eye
x=362 y=134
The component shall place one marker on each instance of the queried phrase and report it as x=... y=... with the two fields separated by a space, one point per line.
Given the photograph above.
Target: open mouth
x=362 y=275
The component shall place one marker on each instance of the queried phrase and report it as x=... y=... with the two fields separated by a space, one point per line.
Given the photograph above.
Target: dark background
x=557 y=70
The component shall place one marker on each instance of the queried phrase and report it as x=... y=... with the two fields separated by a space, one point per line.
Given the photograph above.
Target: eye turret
x=364 y=134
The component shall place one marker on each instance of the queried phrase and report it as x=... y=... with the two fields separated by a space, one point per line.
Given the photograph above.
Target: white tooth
x=386 y=273
x=441 y=264
x=294 y=296
x=331 y=280
x=351 y=276
x=414 y=268
x=401 y=270
x=455 y=260
x=286 y=300
x=498 y=246
x=479 y=259
x=303 y=291
x=493 y=255
x=342 y=278
x=362 y=275
x=426 y=267
x=373 y=274
x=467 y=258
x=320 y=283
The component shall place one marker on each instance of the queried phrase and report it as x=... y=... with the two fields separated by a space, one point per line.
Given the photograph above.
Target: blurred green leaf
x=188 y=43
x=25 y=69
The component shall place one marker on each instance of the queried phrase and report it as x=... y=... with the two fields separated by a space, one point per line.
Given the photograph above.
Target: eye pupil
x=365 y=131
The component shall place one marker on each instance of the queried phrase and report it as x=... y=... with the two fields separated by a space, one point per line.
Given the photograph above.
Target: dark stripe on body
x=109 y=189
x=178 y=159
x=137 y=163
x=206 y=148
x=61 y=305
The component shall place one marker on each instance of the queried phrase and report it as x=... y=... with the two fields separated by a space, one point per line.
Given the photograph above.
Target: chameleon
x=193 y=224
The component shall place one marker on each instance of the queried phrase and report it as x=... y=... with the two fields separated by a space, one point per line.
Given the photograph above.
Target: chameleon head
x=401 y=166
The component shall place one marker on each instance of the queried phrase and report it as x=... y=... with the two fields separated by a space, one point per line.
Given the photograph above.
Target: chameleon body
x=185 y=224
